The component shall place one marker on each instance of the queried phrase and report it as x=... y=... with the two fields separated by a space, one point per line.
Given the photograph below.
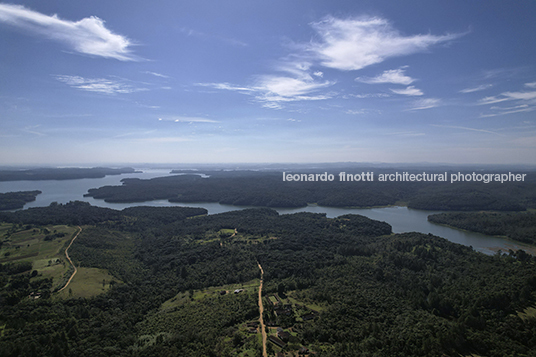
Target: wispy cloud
x=426 y=103
x=88 y=36
x=524 y=102
x=289 y=89
x=355 y=43
x=356 y=112
x=183 y=119
x=226 y=86
x=394 y=76
x=99 y=85
x=466 y=128
x=344 y=44
x=367 y=95
x=272 y=90
x=32 y=130
x=531 y=85
x=476 y=89
x=411 y=90
x=508 y=110
x=156 y=74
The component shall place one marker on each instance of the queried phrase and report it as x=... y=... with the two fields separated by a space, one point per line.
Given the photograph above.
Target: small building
x=303 y=351
x=283 y=335
x=238 y=291
x=276 y=341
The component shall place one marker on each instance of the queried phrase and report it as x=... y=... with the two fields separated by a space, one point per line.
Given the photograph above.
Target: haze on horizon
x=263 y=82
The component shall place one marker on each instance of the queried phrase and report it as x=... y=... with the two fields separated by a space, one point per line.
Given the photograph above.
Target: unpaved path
x=69 y=259
x=261 y=320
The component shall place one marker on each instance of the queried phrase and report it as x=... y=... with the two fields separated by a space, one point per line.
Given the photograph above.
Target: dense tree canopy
x=376 y=293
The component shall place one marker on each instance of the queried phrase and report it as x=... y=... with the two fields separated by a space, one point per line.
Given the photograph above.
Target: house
x=238 y=291
x=303 y=351
x=277 y=341
x=283 y=335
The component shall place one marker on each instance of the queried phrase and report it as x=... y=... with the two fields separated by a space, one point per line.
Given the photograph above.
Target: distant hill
x=61 y=173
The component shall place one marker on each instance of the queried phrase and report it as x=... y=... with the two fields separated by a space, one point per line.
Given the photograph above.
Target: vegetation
x=70 y=173
x=347 y=286
x=267 y=189
x=16 y=200
x=519 y=226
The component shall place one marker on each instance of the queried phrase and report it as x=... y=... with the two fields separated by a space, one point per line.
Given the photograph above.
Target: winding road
x=261 y=320
x=70 y=261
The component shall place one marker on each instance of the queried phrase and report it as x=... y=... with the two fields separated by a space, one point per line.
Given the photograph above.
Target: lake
x=402 y=219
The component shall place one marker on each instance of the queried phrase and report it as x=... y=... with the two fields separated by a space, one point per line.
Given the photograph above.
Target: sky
x=280 y=81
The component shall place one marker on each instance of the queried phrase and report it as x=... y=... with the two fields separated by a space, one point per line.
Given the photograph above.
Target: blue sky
x=267 y=81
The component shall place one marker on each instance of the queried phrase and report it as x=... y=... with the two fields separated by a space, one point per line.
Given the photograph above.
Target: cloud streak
x=523 y=102
x=393 y=76
x=426 y=103
x=411 y=91
x=99 y=85
x=476 y=89
x=181 y=119
x=88 y=36
x=466 y=128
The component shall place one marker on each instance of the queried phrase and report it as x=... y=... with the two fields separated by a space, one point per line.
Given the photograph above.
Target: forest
x=267 y=189
x=519 y=226
x=67 y=173
x=17 y=200
x=350 y=287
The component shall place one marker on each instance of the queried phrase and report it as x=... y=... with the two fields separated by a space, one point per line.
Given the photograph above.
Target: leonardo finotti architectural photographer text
x=407 y=177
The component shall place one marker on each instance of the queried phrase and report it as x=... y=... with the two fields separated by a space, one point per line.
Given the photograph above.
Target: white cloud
x=367 y=95
x=182 y=119
x=520 y=95
x=272 y=105
x=395 y=76
x=411 y=90
x=88 y=36
x=476 y=89
x=491 y=100
x=523 y=102
x=288 y=87
x=156 y=74
x=319 y=74
x=531 y=85
x=426 y=103
x=226 y=86
x=352 y=44
x=271 y=90
x=100 y=85
x=529 y=97
x=355 y=112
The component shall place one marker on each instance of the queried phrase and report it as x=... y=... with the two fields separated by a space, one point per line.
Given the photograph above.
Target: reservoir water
x=402 y=219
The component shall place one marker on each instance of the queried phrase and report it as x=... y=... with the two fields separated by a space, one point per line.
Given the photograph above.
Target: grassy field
x=28 y=243
x=183 y=298
x=88 y=282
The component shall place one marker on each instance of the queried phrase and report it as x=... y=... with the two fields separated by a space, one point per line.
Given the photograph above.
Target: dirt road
x=261 y=320
x=69 y=259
